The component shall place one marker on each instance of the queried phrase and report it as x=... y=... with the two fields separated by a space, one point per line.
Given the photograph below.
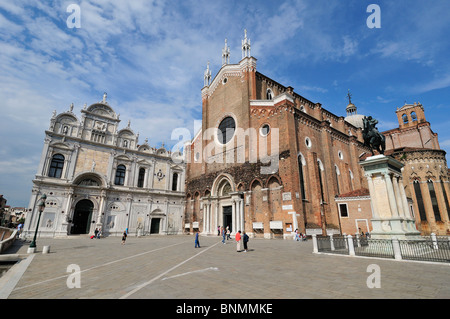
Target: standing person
x=96 y=233
x=218 y=230
x=228 y=232
x=99 y=233
x=197 y=243
x=238 y=241
x=245 y=239
x=223 y=235
x=124 y=237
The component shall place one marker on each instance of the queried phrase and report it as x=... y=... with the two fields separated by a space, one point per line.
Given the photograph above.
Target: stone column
x=233 y=216
x=391 y=195
x=204 y=220
x=398 y=198
x=373 y=198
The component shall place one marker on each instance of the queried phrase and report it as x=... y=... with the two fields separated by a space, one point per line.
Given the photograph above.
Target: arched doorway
x=82 y=217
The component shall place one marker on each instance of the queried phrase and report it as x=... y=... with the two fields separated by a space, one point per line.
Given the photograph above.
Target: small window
x=343 y=210
x=308 y=142
x=120 y=175
x=269 y=94
x=264 y=130
x=56 y=166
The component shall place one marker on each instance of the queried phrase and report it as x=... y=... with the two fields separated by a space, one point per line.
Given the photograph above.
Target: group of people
x=97 y=233
x=226 y=235
x=299 y=236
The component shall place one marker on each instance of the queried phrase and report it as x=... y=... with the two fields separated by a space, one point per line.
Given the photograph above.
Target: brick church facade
x=267 y=160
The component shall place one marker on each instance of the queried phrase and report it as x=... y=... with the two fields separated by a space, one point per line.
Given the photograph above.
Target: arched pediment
x=102 y=109
x=66 y=118
x=90 y=179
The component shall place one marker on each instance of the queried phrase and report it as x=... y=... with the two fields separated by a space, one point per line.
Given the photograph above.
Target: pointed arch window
x=337 y=178
x=120 y=175
x=418 y=192
x=320 y=181
x=56 y=166
x=434 y=203
x=445 y=198
x=302 y=178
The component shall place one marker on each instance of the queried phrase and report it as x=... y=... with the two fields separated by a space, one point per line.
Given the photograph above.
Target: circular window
x=264 y=130
x=308 y=142
x=226 y=130
x=224 y=81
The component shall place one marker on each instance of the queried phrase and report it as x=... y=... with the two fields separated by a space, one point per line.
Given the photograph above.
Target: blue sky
x=149 y=56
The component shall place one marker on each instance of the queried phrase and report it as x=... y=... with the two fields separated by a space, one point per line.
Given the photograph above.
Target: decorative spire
x=104 y=98
x=226 y=54
x=351 y=108
x=207 y=76
x=245 y=45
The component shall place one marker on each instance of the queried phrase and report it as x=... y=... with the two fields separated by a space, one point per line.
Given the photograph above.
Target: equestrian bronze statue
x=372 y=138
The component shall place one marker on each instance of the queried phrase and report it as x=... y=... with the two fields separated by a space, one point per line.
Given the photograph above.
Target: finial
x=71 y=107
x=129 y=123
x=207 y=76
x=226 y=54
x=245 y=45
x=104 y=97
x=349 y=95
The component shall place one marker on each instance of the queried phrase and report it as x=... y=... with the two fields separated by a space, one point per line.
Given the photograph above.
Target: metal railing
x=431 y=248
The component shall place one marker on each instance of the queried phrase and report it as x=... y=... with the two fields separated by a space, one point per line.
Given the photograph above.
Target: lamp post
x=41 y=206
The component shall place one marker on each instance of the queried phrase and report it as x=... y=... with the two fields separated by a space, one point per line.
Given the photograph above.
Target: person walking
x=218 y=230
x=124 y=237
x=197 y=243
x=245 y=240
x=224 y=234
x=238 y=241
x=228 y=232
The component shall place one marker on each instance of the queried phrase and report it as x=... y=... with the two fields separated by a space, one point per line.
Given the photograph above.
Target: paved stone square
x=169 y=267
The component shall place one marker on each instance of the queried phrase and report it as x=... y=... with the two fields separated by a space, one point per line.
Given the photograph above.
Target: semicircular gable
x=102 y=109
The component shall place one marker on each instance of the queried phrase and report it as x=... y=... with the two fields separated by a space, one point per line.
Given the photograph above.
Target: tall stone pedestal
x=390 y=213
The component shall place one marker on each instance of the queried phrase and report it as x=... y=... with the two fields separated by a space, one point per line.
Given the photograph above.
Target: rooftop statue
x=372 y=138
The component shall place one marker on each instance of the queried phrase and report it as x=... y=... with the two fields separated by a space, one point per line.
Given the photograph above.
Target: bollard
x=45 y=249
x=434 y=240
x=351 y=248
x=332 y=242
x=396 y=248
x=315 y=249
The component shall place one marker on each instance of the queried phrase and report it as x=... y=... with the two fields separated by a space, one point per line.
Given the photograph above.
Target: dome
x=355 y=120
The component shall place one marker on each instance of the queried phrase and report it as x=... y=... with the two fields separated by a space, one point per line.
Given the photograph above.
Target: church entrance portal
x=154 y=228
x=227 y=219
x=82 y=217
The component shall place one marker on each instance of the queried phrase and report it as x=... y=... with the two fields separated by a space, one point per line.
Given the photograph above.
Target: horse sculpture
x=372 y=138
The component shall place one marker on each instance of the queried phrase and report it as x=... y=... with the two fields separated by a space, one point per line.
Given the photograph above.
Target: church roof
x=355 y=193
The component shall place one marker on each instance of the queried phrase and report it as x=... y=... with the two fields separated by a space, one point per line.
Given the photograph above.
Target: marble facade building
x=96 y=175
